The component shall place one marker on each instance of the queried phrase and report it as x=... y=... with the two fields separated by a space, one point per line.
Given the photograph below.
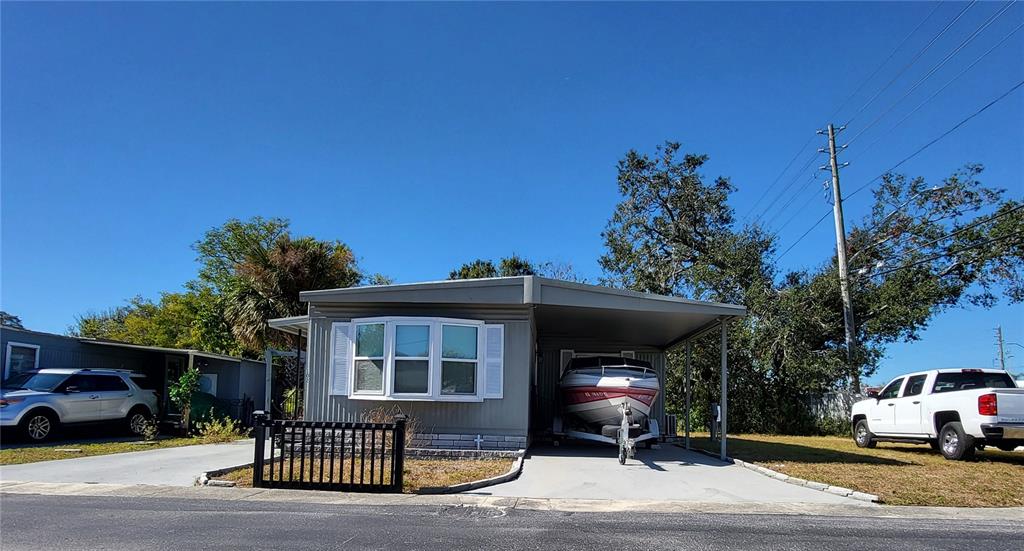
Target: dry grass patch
x=900 y=474
x=418 y=473
x=70 y=450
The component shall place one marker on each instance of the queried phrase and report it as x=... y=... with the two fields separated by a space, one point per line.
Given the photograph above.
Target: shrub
x=386 y=414
x=181 y=392
x=213 y=428
x=150 y=429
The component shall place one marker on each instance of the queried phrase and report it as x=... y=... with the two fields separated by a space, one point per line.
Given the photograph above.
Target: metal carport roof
x=561 y=308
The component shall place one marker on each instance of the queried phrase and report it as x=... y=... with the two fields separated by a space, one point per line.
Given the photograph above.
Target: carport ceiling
x=562 y=309
x=625 y=327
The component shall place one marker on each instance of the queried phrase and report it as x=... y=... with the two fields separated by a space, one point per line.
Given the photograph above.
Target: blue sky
x=425 y=135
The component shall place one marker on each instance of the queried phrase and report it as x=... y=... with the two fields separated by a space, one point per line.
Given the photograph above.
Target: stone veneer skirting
x=468 y=441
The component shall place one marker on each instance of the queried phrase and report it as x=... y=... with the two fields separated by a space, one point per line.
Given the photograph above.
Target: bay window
x=412 y=359
x=458 y=359
x=369 y=359
x=407 y=358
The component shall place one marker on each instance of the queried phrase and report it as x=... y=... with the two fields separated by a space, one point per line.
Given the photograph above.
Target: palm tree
x=267 y=286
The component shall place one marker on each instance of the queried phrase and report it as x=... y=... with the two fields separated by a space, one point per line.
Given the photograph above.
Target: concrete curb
x=253 y=496
x=208 y=478
x=512 y=474
x=837 y=490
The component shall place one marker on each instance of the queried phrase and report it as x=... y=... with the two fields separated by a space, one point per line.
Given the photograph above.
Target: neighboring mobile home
x=236 y=383
x=477 y=362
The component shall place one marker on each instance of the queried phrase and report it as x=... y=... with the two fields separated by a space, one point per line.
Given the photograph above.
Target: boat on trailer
x=609 y=399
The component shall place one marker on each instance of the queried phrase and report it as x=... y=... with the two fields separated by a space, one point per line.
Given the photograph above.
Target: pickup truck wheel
x=38 y=426
x=862 y=436
x=955 y=444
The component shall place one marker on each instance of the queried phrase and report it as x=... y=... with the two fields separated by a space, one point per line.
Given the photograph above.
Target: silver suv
x=39 y=402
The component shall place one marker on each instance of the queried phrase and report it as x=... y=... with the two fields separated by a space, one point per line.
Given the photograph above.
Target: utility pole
x=1002 y=353
x=844 y=279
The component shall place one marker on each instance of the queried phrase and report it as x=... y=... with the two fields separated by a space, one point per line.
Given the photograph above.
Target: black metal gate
x=318 y=455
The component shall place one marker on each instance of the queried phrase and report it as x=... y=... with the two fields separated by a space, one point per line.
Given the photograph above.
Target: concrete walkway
x=584 y=471
x=166 y=466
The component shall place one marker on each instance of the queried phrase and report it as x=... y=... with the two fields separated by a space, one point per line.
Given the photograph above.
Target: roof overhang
x=562 y=309
x=294 y=325
x=185 y=351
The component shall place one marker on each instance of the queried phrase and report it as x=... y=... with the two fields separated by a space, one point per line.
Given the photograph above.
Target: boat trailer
x=626 y=444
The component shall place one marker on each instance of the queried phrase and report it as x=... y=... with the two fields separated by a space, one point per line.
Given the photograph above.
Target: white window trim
x=434 y=363
x=7 y=356
x=384 y=358
x=393 y=329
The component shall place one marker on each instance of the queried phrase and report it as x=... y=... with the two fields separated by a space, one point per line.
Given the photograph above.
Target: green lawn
x=900 y=474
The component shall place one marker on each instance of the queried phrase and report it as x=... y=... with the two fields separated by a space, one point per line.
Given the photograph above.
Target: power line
x=795 y=178
x=932 y=71
x=777 y=178
x=937 y=92
x=938 y=256
x=943 y=135
x=792 y=198
x=768 y=189
x=959 y=230
x=797 y=213
x=799 y=239
x=905 y=159
x=912 y=61
x=884 y=61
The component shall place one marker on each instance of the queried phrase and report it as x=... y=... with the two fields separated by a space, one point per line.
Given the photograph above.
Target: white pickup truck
x=956 y=411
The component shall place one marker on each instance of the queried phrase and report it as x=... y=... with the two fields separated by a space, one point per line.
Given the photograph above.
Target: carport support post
x=268 y=378
x=725 y=384
x=686 y=420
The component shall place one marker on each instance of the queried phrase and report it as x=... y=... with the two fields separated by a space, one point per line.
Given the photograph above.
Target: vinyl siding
x=506 y=416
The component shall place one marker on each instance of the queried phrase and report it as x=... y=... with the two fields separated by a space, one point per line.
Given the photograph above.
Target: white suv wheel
x=137 y=423
x=39 y=427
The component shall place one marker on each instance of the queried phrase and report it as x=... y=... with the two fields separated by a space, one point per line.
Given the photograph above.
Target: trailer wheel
x=622 y=454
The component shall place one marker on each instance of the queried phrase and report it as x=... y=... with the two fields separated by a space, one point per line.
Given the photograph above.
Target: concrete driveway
x=590 y=471
x=167 y=466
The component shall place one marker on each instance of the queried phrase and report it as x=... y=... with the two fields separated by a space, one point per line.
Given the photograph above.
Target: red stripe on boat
x=584 y=394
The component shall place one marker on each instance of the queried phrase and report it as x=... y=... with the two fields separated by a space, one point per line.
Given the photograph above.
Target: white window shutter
x=494 y=359
x=341 y=358
x=564 y=356
x=628 y=354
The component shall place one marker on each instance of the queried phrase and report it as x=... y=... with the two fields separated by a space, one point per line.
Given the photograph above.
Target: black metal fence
x=316 y=455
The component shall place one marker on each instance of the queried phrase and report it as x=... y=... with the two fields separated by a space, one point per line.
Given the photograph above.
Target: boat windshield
x=619 y=371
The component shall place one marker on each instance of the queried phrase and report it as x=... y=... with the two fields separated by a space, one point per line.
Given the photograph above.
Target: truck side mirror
x=873 y=394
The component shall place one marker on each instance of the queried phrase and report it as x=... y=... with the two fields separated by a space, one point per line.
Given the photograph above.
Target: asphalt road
x=66 y=522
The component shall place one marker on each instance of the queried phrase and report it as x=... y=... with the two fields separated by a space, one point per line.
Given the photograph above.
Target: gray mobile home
x=477 y=362
x=234 y=382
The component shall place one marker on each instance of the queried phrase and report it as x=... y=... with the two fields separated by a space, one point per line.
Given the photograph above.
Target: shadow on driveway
x=758 y=450
x=70 y=435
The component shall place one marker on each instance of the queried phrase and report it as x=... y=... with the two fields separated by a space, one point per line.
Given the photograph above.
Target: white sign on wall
x=208 y=383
